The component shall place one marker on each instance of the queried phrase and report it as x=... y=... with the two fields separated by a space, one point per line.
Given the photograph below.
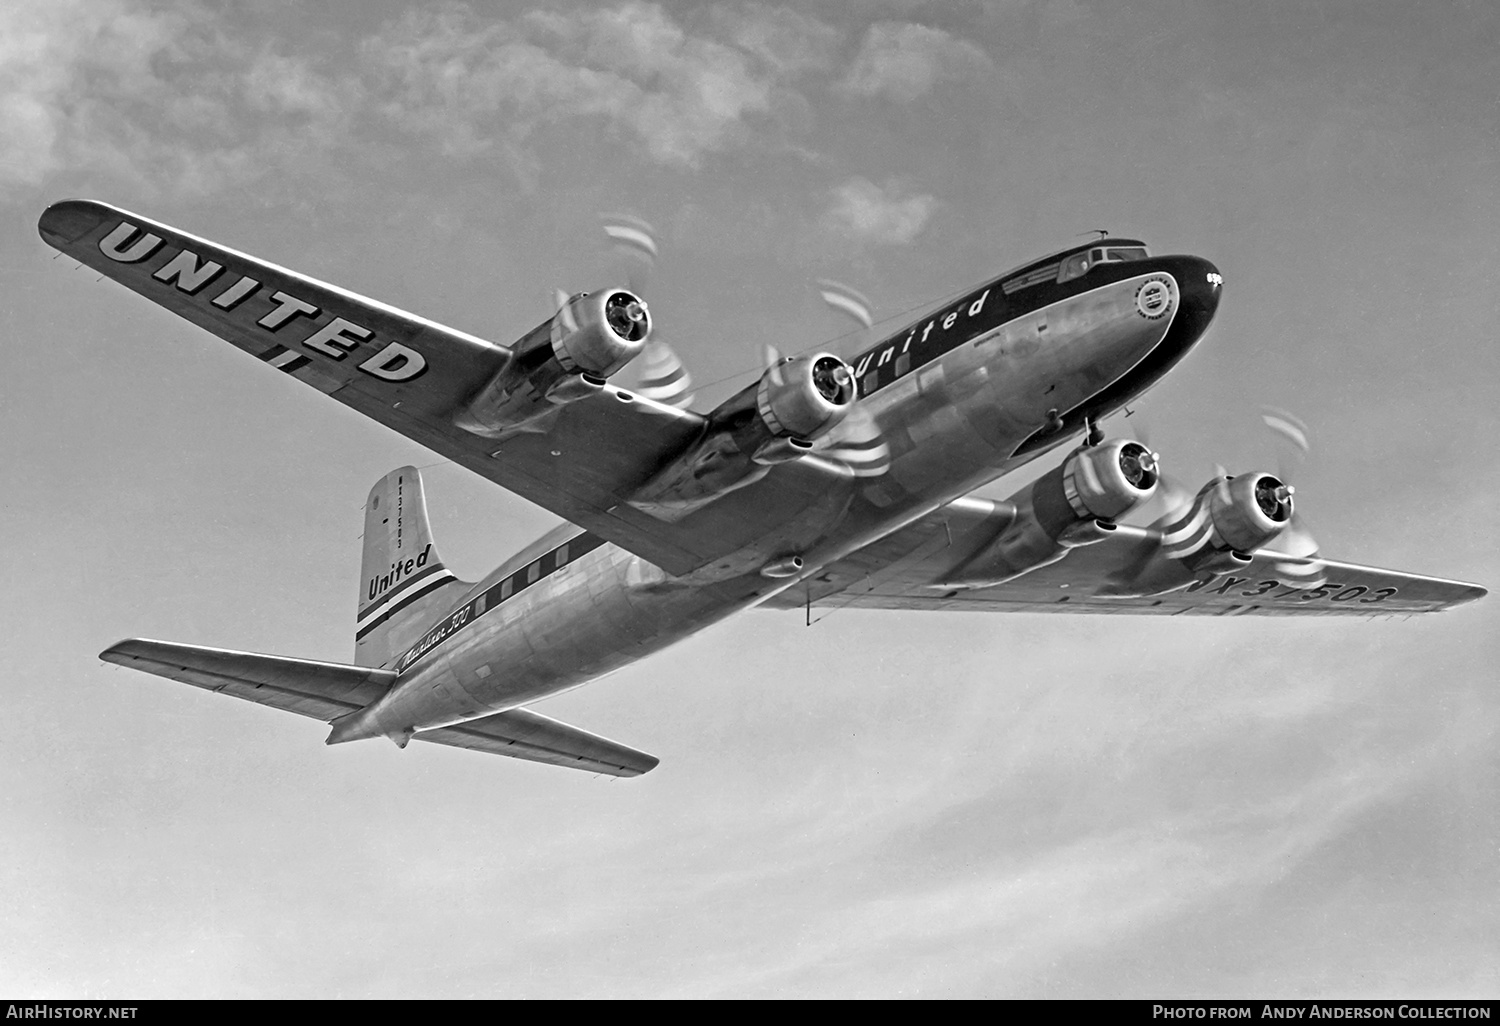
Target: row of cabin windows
x=533 y=572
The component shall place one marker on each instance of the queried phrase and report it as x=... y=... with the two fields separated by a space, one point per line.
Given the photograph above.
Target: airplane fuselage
x=982 y=386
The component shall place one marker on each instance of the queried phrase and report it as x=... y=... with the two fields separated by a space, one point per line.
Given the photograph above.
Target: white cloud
x=868 y=213
x=787 y=41
x=157 y=97
x=177 y=100
x=904 y=61
x=678 y=95
x=50 y=54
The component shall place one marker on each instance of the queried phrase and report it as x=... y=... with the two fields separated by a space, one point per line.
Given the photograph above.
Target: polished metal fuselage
x=994 y=396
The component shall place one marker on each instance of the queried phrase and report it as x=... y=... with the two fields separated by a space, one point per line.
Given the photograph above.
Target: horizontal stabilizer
x=523 y=734
x=320 y=690
x=326 y=691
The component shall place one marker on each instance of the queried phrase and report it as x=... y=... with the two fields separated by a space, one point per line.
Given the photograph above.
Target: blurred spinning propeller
x=662 y=376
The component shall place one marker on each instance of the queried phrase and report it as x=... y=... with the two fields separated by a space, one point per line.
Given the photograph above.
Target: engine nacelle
x=563 y=359
x=1074 y=504
x=599 y=334
x=805 y=396
x=1228 y=519
x=1248 y=511
x=774 y=420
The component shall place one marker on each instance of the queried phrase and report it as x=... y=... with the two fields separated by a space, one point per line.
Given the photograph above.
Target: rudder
x=404 y=585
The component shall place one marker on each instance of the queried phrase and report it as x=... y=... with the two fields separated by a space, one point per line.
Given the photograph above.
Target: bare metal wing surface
x=920 y=568
x=582 y=461
x=324 y=691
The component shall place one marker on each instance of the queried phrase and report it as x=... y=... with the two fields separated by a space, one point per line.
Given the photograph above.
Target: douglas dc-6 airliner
x=826 y=482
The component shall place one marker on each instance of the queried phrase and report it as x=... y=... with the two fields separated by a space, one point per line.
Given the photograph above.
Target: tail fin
x=403 y=585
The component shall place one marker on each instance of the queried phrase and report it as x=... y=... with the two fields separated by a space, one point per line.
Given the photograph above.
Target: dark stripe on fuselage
x=417 y=592
x=501 y=591
x=998 y=301
x=1196 y=303
x=1029 y=291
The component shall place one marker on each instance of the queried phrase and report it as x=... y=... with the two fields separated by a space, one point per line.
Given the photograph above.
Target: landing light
x=1215 y=279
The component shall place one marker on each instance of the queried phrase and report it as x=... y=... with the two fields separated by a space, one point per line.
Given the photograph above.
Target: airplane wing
x=415 y=376
x=324 y=691
x=905 y=570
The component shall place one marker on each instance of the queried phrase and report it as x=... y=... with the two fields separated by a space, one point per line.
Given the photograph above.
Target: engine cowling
x=563 y=359
x=1109 y=480
x=805 y=396
x=1248 y=511
x=1228 y=519
x=600 y=333
x=772 y=421
x=1073 y=504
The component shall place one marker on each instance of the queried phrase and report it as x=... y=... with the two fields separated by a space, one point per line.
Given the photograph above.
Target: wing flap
x=523 y=734
x=322 y=691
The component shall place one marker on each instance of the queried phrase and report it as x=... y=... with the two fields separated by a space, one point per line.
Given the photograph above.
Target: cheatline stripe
x=431 y=586
x=399 y=593
x=401 y=586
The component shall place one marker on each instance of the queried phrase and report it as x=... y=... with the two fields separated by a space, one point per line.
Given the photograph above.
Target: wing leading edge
x=324 y=691
x=904 y=571
x=415 y=376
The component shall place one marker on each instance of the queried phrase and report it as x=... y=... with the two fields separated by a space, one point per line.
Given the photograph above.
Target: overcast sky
x=886 y=803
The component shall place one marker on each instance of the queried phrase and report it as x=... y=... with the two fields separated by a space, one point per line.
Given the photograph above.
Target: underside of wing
x=523 y=734
x=586 y=451
x=325 y=691
x=913 y=569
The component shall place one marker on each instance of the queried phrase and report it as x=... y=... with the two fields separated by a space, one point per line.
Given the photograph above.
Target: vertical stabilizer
x=403 y=585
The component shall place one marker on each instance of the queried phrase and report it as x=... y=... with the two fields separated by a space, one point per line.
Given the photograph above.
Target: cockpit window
x=1078 y=264
x=1073 y=267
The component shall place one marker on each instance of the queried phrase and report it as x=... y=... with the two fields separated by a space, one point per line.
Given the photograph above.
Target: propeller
x=1296 y=541
x=662 y=376
x=1172 y=498
x=857 y=442
x=846 y=300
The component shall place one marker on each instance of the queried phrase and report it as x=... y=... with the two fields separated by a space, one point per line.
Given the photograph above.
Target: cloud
x=679 y=96
x=157 y=97
x=53 y=56
x=903 y=61
x=789 y=43
x=866 y=212
x=181 y=100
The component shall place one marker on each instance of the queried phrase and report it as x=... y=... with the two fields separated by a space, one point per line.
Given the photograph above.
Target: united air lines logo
x=190 y=273
x=400 y=571
x=1153 y=299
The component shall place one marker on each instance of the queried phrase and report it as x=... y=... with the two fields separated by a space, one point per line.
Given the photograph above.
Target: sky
x=884 y=804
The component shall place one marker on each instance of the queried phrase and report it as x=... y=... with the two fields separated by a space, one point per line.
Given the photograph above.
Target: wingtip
x=117 y=652
x=67 y=220
x=1472 y=593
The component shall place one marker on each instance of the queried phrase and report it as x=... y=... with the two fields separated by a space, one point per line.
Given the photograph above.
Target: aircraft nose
x=1200 y=284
